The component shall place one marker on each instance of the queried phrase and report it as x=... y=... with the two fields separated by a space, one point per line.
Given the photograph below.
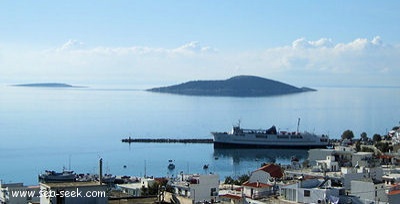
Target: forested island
x=238 y=86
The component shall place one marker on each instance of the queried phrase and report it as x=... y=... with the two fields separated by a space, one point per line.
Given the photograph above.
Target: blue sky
x=147 y=43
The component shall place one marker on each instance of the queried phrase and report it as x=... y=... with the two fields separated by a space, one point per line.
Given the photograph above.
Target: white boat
x=257 y=138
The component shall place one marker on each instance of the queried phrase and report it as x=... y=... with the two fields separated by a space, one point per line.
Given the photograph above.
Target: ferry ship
x=261 y=138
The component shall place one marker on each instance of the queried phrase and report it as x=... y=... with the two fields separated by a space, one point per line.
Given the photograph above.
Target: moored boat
x=52 y=176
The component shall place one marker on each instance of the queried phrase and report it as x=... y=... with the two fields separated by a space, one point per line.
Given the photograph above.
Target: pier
x=167 y=140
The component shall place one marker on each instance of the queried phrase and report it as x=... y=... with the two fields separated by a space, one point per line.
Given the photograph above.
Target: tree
x=229 y=180
x=364 y=137
x=348 y=134
x=358 y=146
x=376 y=138
x=241 y=179
x=383 y=146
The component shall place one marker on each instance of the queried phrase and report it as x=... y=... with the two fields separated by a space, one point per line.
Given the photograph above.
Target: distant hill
x=239 y=86
x=55 y=85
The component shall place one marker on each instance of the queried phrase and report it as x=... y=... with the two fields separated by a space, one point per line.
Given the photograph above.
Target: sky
x=132 y=43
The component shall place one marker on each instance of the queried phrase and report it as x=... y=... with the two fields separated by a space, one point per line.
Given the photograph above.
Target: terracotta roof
x=273 y=170
x=230 y=196
x=384 y=156
x=395 y=192
x=256 y=184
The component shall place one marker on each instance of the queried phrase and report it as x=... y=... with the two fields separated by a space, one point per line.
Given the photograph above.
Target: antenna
x=298 y=124
x=144 y=168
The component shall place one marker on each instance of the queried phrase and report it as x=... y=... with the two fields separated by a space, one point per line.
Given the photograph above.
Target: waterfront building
x=135 y=189
x=261 y=182
x=343 y=155
x=196 y=188
x=73 y=192
x=11 y=193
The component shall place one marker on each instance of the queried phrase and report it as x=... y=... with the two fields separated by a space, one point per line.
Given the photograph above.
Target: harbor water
x=55 y=128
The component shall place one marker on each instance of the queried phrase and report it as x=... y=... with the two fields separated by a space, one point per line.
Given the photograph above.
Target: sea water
x=72 y=128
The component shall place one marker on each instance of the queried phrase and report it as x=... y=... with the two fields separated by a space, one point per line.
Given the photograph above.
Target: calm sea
x=51 y=128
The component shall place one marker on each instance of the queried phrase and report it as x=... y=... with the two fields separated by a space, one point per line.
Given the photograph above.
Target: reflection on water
x=282 y=156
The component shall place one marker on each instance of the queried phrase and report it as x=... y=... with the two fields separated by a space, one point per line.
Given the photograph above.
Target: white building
x=135 y=189
x=343 y=155
x=197 y=188
x=363 y=159
x=311 y=191
x=329 y=164
x=261 y=181
x=369 y=190
x=73 y=192
x=11 y=193
x=352 y=173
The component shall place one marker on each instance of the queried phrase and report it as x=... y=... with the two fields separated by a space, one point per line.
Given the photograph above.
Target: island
x=48 y=85
x=238 y=86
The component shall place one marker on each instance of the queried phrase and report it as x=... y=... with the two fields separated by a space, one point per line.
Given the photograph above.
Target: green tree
x=376 y=138
x=358 y=146
x=243 y=178
x=229 y=180
x=364 y=137
x=348 y=134
x=383 y=146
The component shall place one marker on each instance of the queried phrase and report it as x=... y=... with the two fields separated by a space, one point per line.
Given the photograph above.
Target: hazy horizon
x=157 y=43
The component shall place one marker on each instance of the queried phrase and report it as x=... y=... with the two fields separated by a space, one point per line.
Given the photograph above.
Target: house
x=18 y=193
x=196 y=188
x=357 y=173
x=311 y=190
x=343 y=155
x=135 y=189
x=329 y=164
x=261 y=181
x=73 y=192
x=369 y=190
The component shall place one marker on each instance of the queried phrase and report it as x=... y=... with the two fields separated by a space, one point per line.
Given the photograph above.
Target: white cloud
x=70 y=44
x=302 y=43
x=321 y=61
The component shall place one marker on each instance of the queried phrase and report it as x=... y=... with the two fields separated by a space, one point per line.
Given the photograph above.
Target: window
x=307 y=193
x=261 y=136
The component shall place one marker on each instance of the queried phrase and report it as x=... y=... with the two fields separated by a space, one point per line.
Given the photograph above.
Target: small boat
x=205 y=166
x=52 y=176
x=294 y=159
x=108 y=178
x=171 y=166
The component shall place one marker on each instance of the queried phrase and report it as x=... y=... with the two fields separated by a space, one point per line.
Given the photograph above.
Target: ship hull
x=222 y=145
x=250 y=140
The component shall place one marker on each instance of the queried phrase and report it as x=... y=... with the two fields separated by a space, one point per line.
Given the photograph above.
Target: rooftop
x=273 y=169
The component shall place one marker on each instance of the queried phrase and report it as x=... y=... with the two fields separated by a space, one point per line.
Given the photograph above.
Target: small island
x=238 y=86
x=48 y=85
